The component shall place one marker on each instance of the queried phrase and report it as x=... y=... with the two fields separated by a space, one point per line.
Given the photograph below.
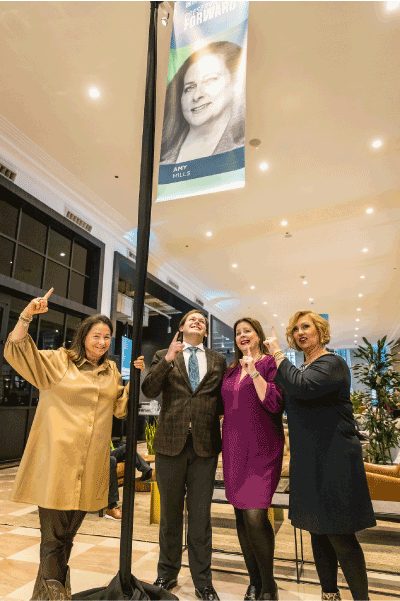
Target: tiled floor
x=95 y=560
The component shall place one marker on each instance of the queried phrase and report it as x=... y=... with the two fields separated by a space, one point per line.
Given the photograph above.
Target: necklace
x=305 y=365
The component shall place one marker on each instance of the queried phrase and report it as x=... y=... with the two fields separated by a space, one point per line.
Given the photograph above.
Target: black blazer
x=180 y=405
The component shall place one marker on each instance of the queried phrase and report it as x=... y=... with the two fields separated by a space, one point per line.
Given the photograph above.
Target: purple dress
x=252 y=437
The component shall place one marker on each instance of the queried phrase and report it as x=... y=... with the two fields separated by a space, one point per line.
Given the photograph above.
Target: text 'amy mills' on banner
x=202 y=147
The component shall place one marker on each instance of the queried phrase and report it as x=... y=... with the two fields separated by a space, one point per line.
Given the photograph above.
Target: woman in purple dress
x=252 y=450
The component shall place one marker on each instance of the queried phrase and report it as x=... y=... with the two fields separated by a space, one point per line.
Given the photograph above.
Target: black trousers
x=189 y=474
x=116 y=456
x=58 y=529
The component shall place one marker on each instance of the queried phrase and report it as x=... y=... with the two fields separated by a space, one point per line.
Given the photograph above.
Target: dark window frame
x=38 y=210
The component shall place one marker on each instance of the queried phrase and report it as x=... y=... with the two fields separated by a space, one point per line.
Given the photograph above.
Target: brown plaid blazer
x=181 y=405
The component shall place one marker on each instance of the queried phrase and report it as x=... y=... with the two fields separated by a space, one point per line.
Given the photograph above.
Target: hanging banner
x=202 y=147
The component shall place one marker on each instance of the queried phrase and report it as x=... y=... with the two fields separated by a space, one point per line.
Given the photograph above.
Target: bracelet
x=279 y=355
x=25 y=319
x=256 y=373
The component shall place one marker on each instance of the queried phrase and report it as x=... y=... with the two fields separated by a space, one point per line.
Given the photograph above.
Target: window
x=51 y=330
x=9 y=219
x=291 y=355
x=29 y=267
x=80 y=258
x=59 y=247
x=6 y=256
x=56 y=277
x=32 y=233
x=40 y=255
x=77 y=288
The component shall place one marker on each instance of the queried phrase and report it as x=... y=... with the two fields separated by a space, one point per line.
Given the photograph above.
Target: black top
x=328 y=486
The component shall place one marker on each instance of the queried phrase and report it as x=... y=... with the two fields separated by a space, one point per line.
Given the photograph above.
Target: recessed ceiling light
x=356 y=328
x=370 y=210
x=275 y=315
x=391 y=6
x=234 y=264
x=282 y=324
x=360 y=295
x=357 y=319
x=284 y=222
x=265 y=302
x=208 y=234
x=264 y=166
x=94 y=92
x=252 y=287
x=365 y=250
x=304 y=282
x=62 y=254
x=376 y=143
x=362 y=277
x=359 y=309
x=355 y=335
x=310 y=299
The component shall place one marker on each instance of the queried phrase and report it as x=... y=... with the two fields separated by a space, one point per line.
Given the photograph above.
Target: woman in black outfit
x=329 y=494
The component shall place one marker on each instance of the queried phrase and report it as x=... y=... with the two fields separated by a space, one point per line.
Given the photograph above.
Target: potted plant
x=358 y=399
x=150 y=433
x=377 y=373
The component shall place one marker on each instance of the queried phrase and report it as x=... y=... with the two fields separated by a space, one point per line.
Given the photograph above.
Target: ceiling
x=323 y=82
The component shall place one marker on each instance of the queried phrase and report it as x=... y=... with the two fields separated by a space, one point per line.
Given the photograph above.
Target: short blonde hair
x=320 y=323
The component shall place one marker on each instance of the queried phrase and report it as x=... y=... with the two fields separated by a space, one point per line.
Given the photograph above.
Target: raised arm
x=43 y=369
x=36 y=306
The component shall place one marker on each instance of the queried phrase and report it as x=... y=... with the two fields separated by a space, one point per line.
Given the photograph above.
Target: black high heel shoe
x=267 y=596
x=252 y=593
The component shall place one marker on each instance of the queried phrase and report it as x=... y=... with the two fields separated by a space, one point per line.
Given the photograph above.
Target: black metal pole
x=144 y=217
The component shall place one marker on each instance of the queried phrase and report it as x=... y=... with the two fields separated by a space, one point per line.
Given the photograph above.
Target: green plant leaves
x=376 y=373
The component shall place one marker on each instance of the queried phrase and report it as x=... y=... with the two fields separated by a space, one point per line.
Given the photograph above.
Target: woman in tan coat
x=65 y=466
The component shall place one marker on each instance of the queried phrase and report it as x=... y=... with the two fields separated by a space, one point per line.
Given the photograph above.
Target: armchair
x=383 y=482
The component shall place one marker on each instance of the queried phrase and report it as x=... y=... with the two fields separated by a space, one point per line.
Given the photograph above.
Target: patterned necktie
x=194 y=373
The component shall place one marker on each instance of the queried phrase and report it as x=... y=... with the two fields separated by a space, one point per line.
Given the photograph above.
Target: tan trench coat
x=66 y=461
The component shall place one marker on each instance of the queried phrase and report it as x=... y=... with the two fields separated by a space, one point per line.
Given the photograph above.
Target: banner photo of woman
x=203 y=137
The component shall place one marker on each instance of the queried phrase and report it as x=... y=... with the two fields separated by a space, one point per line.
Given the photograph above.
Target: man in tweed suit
x=187 y=444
